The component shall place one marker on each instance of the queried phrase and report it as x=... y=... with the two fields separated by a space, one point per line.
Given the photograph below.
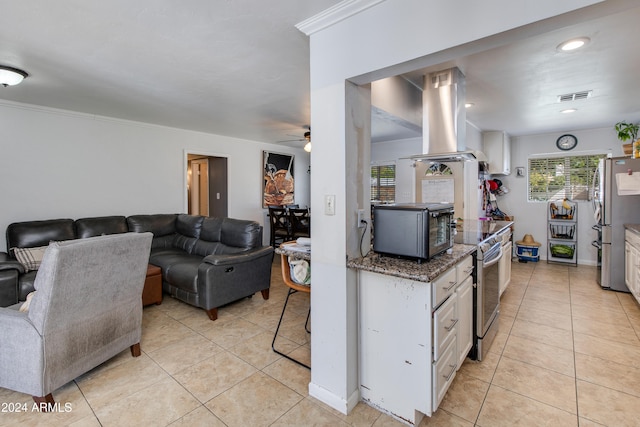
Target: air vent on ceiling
x=576 y=96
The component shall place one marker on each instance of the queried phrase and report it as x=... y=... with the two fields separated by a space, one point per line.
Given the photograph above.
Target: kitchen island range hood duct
x=445 y=119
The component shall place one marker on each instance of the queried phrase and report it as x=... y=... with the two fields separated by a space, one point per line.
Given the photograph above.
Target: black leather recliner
x=206 y=262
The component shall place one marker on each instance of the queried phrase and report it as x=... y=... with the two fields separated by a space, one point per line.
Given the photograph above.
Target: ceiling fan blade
x=291 y=140
x=306 y=137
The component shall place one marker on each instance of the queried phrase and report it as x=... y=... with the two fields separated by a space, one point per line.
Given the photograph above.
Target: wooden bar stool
x=293 y=288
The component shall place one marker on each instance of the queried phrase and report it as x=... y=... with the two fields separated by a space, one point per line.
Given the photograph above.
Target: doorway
x=207 y=185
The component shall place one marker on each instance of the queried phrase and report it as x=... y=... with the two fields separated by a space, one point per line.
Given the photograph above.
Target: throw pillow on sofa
x=30 y=258
x=25 y=305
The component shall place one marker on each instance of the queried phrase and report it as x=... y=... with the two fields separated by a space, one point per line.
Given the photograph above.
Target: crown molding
x=334 y=14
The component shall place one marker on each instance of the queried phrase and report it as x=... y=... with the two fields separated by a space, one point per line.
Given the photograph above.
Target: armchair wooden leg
x=265 y=293
x=212 y=313
x=135 y=350
x=44 y=402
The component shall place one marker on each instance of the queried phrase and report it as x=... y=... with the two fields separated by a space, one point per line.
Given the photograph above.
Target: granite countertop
x=633 y=227
x=294 y=254
x=410 y=269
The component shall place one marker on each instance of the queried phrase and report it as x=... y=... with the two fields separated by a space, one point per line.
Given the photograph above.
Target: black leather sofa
x=206 y=262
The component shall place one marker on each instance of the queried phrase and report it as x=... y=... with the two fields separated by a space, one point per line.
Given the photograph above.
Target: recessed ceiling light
x=469 y=105
x=573 y=44
x=569 y=110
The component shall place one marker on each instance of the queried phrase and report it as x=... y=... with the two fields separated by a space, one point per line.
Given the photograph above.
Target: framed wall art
x=278 y=183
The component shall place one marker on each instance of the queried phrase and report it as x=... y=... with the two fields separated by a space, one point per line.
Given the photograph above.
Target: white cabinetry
x=412 y=336
x=497 y=148
x=632 y=262
x=504 y=268
x=464 y=298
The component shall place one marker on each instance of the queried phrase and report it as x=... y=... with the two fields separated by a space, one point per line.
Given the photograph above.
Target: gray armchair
x=86 y=309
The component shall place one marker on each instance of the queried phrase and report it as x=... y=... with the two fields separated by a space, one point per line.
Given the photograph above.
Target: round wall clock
x=566 y=142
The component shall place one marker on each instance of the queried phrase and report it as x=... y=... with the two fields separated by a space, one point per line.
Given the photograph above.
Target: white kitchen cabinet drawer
x=443 y=286
x=464 y=268
x=444 y=326
x=444 y=371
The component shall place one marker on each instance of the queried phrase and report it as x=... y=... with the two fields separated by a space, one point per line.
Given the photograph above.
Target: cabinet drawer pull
x=451 y=285
x=453 y=369
x=450 y=327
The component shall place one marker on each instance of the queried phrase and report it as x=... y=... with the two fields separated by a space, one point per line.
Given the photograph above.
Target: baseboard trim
x=336 y=402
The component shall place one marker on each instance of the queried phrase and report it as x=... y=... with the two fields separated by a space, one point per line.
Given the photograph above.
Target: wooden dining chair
x=280 y=225
x=293 y=288
x=300 y=221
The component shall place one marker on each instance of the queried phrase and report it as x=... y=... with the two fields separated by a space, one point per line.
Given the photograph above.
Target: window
x=568 y=177
x=383 y=183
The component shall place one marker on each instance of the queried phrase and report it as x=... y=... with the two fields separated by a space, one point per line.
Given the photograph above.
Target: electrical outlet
x=361 y=220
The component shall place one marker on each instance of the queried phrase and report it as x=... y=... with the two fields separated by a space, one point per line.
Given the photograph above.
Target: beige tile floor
x=567 y=354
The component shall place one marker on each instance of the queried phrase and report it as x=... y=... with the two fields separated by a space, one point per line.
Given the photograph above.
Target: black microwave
x=412 y=230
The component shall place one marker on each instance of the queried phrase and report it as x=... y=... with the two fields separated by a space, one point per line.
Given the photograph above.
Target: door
x=488 y=289
x=199 y=195
x=207 y=185
x=629 y=265
x=218 y=184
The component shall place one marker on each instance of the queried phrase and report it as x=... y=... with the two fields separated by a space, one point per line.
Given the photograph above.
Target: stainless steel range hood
x=445 y=119
x=456 y=156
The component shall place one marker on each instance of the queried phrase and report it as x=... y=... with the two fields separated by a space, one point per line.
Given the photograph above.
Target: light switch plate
x=329 y=204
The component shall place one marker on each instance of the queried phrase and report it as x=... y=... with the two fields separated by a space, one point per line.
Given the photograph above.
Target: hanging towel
x=300 y=271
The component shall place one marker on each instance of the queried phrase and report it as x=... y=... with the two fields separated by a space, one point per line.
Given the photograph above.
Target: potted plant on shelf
x=628 y=132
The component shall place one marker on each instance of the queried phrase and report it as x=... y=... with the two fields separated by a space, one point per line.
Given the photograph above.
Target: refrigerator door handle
x=606 y=234
x=605 y=278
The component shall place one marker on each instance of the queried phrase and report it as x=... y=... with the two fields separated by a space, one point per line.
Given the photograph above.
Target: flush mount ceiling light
x=10 y=76
x=569 y=111
x=307 y=146
x=573 y=44
x=469 y=105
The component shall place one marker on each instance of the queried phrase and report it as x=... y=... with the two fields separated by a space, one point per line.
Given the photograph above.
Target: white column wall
x=372 y=44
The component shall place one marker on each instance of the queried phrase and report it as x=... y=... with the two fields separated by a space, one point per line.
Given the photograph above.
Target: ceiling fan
x=306 y=137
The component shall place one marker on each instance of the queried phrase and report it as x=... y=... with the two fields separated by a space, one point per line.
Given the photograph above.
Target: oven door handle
x=494 y=260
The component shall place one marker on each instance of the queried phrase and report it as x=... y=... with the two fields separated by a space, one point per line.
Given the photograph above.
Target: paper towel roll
x=304 y=241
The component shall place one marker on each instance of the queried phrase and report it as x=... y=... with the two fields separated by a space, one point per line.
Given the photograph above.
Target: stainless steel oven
x=487 y=295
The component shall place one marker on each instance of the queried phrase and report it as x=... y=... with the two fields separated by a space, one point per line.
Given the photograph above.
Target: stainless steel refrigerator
x=616 y=202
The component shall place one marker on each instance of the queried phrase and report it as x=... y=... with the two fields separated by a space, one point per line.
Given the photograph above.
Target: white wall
x=60 y=164
x=531 y=217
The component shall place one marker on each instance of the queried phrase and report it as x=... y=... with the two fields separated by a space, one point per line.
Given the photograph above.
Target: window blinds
x=383 y=183
x=556 y=178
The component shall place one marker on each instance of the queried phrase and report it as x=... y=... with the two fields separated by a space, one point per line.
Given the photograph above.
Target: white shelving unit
x=562 y=232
